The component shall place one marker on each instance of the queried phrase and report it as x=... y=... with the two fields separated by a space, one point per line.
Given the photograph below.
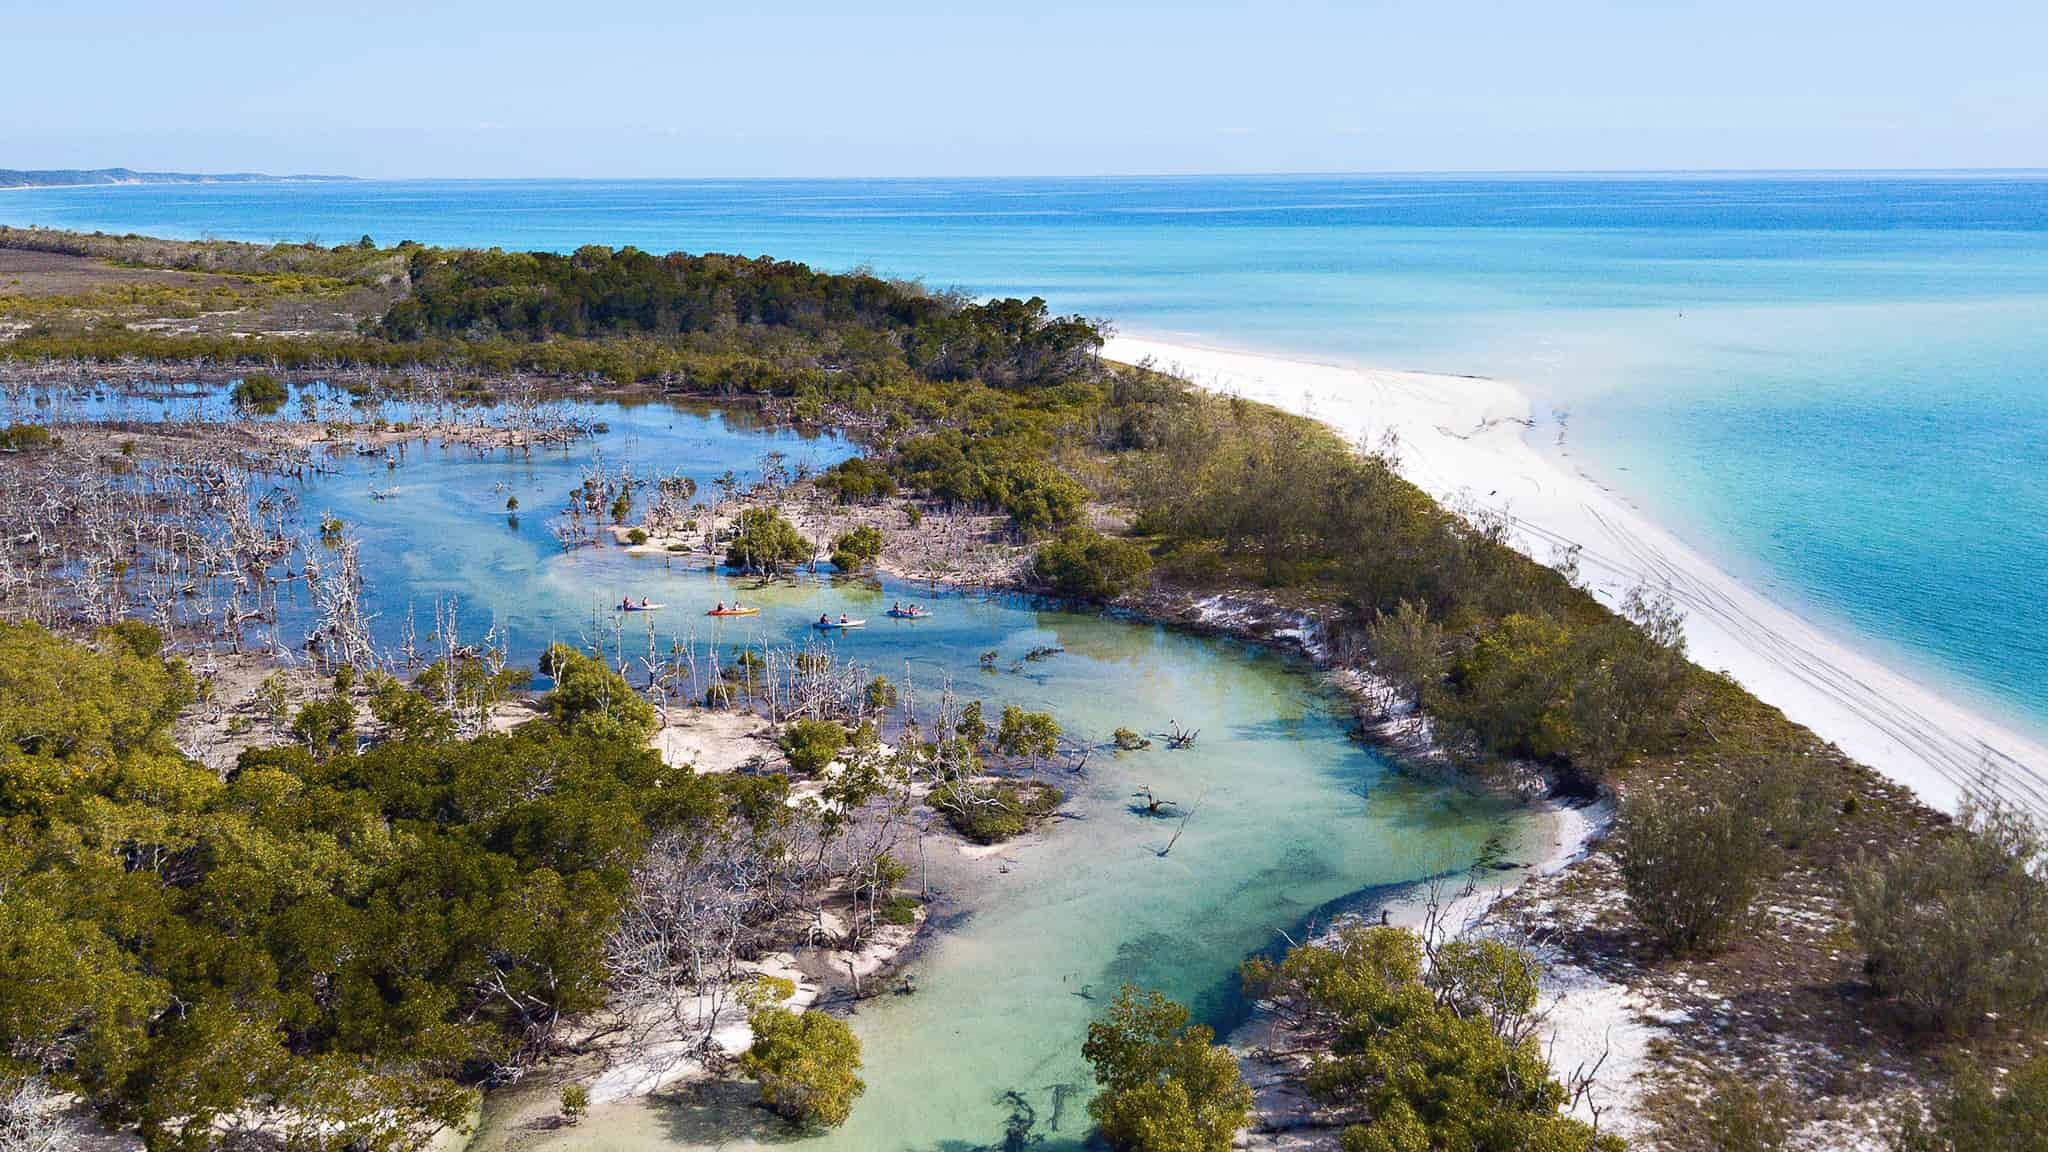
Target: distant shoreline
x=1461 y=440
x=172 y=183
x=14 y=178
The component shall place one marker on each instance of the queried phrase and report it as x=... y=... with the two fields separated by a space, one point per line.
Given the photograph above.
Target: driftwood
x=1150 y=804
x=1185 y=816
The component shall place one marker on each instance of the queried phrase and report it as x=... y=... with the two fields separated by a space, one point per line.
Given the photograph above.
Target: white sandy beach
x=1462 y=440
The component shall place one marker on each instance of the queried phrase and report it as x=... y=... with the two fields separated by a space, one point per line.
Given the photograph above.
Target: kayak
x=732 y=611
x=907 y=614
x=641 y=607
x=831 y=625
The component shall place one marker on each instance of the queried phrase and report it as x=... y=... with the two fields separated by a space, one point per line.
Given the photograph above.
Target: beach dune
x=1462 y=439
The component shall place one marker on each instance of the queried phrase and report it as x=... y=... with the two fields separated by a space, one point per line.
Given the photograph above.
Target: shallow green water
x=1291 y=815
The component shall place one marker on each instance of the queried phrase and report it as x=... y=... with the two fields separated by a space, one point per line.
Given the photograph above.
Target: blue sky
x=799 y=88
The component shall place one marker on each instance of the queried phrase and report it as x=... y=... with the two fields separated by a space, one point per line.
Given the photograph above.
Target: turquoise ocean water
x=1837 y=385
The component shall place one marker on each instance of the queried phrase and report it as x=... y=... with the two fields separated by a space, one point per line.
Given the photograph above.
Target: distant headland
x=65 y=177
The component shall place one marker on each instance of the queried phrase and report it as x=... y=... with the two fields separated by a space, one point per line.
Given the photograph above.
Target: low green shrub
x=1957 y=931
x=575 y=1102
x=811 y=745
x=993 y=813
x=1736 y=1116
x=1086 y=565
x=1427 y=1056
x=26 y=438
x=856 y=548
x=1973 y=1115
x=808 y=1063
x=1691 y=860
x=260 y=393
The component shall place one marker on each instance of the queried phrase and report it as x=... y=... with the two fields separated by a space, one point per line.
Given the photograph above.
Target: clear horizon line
x=1271 y=173
x=1388 y=173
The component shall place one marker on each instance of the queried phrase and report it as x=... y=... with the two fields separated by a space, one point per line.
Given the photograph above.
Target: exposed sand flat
x=1461 y=439
x=713 y=742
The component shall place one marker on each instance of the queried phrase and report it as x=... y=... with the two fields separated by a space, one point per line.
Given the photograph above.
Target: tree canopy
x=259 y=392
x=1956 y=932
x=1425 y=1056
x=808 y=1063
x=346 y=940
x=597 y=291
x=1167 y=1086
x=1083 y=563
x=764 y=541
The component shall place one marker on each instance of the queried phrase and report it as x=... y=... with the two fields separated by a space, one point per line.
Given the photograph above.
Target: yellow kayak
x=732 y=611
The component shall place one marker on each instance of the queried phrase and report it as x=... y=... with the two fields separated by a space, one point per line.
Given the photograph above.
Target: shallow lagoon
x=1293 y=818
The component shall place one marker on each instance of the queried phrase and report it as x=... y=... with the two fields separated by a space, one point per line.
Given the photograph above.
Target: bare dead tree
x=341 y=633
x=701 y=903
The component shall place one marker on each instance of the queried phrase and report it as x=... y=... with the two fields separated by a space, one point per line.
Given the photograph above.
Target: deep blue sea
x=1837 y=385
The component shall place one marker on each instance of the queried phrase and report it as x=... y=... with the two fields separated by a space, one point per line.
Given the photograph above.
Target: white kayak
x=833 y=625
x=641 y=607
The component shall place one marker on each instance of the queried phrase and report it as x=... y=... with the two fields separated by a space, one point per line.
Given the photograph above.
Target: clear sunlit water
x=1836 y=384
x=1293 y=819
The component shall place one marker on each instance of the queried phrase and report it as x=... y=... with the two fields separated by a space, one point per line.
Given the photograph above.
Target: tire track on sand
x=1968 y=764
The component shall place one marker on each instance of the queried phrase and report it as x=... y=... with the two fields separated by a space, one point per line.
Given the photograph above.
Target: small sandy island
x=1462 y=440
